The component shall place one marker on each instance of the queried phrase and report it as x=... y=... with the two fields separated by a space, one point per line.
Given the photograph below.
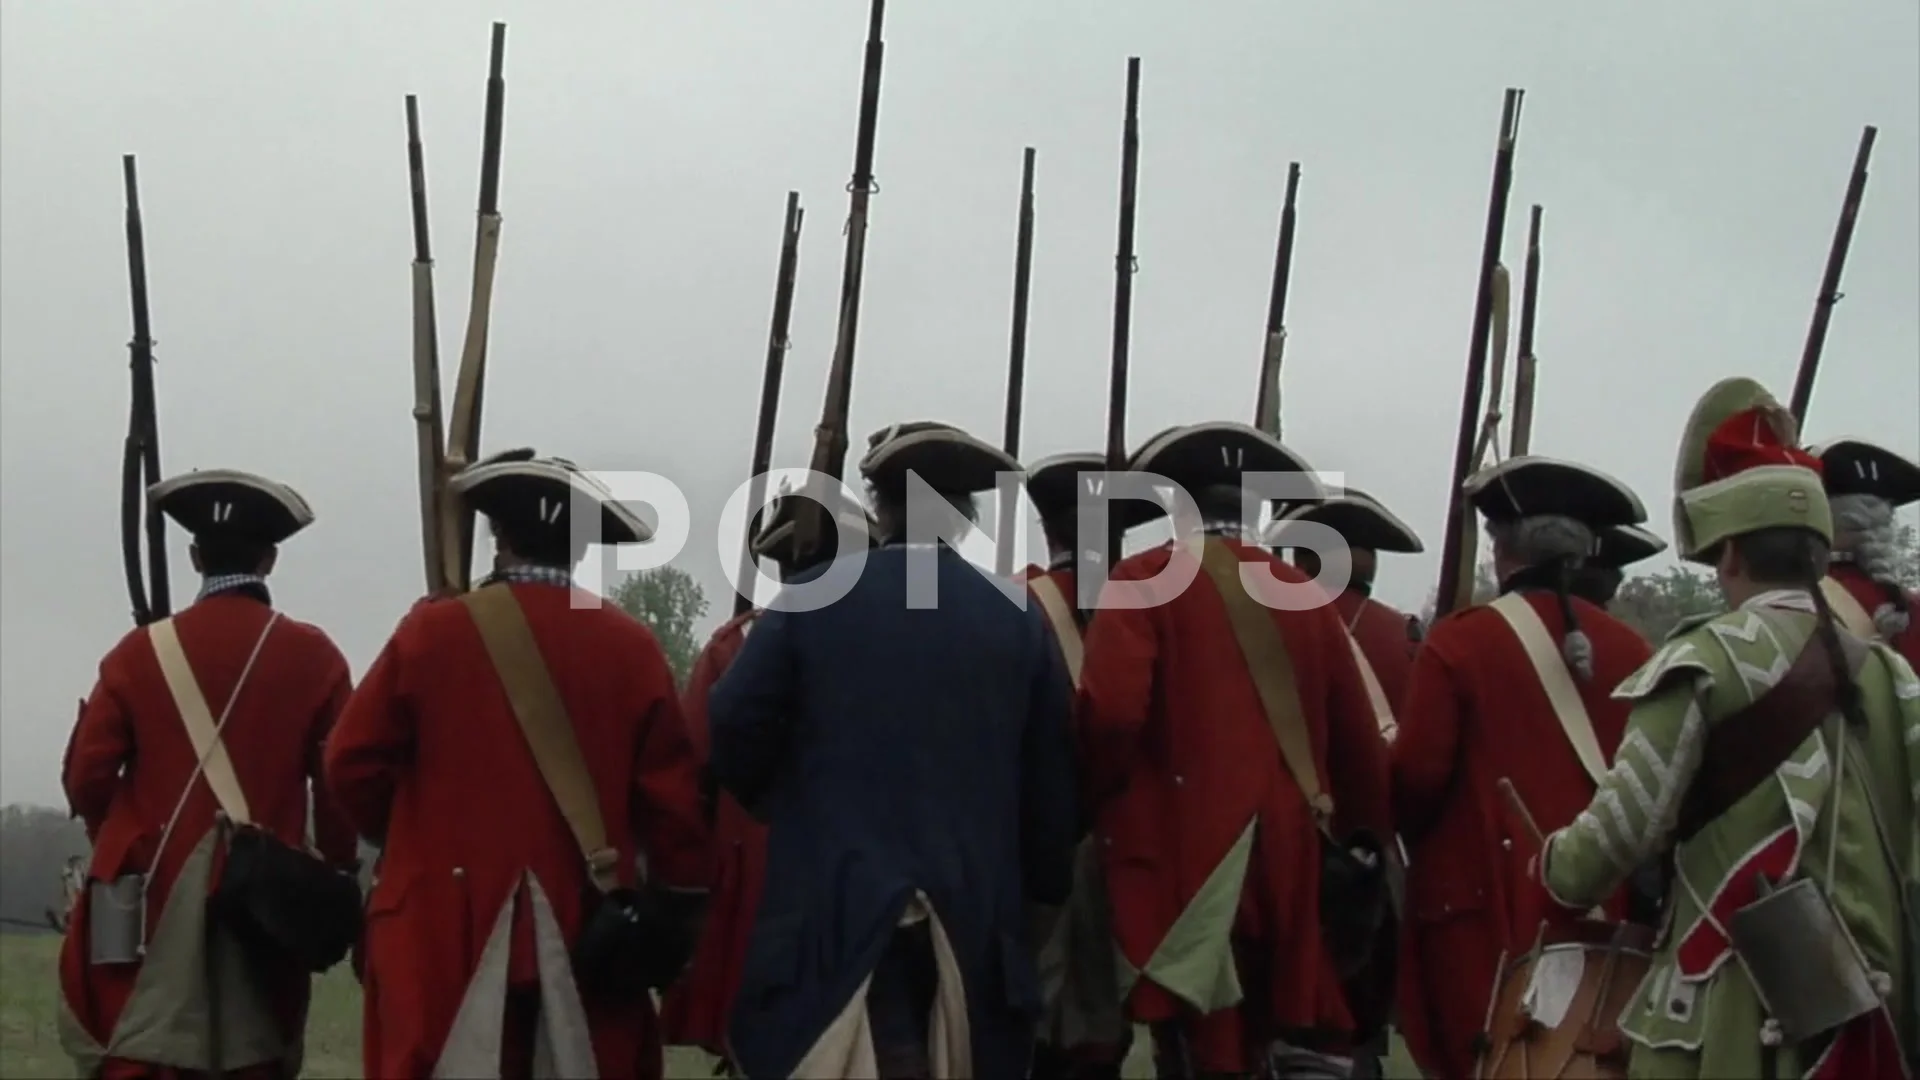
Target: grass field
x=29 y=1046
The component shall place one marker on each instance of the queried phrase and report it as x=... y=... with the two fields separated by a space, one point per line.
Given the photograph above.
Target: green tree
x=669 y=601
x=1908 y=541
x=1655 y=603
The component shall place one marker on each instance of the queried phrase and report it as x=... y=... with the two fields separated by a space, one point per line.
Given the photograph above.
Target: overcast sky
x=1691 y=158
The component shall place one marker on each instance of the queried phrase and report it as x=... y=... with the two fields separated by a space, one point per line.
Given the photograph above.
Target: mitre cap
x=532 y=492
x=230 y=504
x=1360 y=519
x=1623 y=545
x=1858 y=467
x=1532 y=486
x=948 y=459
x=1741 y=469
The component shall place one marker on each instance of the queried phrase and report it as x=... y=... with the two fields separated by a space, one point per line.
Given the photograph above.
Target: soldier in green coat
x=1839 y=811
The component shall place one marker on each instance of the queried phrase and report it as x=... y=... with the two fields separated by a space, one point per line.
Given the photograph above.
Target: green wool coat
x=1697 y=1014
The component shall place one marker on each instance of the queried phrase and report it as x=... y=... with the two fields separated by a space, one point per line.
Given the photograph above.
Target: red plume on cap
x=1751 y=439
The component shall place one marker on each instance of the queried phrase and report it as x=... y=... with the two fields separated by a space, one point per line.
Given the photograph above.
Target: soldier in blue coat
x=915 y=767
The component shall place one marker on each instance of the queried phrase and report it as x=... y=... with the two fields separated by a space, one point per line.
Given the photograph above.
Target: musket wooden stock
x=430 y=438
x=1123 y=271
x=1496 y=390
x=1525 y=372
x=1016 y=363
x=140 y=466
x=463 y=426
x=770 y=378
x=830 y=438
x=1267 y=400
x=1830 y=280
x=1456 y=559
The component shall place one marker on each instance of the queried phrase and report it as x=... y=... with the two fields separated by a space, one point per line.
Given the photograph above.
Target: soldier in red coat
x=1387 y=638
x=1865 y=485
x=1213 y=846
x=212 y=718
x=484 y=888
x=695 y=1011
x=1478 y=710
x=1084 y=1032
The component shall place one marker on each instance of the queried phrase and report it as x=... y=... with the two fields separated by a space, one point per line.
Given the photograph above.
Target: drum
x=1556 y=1012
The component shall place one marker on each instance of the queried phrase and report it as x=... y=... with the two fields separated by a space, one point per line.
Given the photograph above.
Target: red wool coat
x=1475 y=712
x=1176 y=741
x=695 y=1011
x=1871 y=594
x=130 y=758
x=429 y=761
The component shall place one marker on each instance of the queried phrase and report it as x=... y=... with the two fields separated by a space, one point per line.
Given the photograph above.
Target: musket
x=1830 y=281
x=140 y=465
x=1522 y=438
x=1123 y=271
x=463 y=427
x=777 y=344
x=1017 y=362
x=830 y=437
x=1267 y=402
x=431 y=440
x=1456 y=569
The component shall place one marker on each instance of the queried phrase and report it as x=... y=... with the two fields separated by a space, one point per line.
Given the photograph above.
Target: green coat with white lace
x=1697 y=1014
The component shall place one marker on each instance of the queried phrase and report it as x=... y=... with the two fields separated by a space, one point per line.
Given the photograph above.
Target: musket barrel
x=1017 y=361
x=1830 y=280
x=496 y=112
x=463 y=426
x=1459 y=542
x=1273 y=344
x=430 y=439
x=1123 y=271
x=1525 y=373
x=143 y=424
x=772 y=374
x=830 y=437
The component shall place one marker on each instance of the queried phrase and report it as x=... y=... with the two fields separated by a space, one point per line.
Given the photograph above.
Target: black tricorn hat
x=948 y=459
x=1055 y=484
x=519 y=487
x=1530 y=486
x=1623 y=545
x=1359 y=518
x=775 y=526
x=1218 y=454
x=1858 y=467
x=228 y=503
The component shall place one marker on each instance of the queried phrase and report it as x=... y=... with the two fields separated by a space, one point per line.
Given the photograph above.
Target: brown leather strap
x=543 y=720
x=1272 y=670
x=1744 y=749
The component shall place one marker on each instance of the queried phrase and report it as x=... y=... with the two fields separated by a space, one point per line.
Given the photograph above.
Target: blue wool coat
x=892 y=750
